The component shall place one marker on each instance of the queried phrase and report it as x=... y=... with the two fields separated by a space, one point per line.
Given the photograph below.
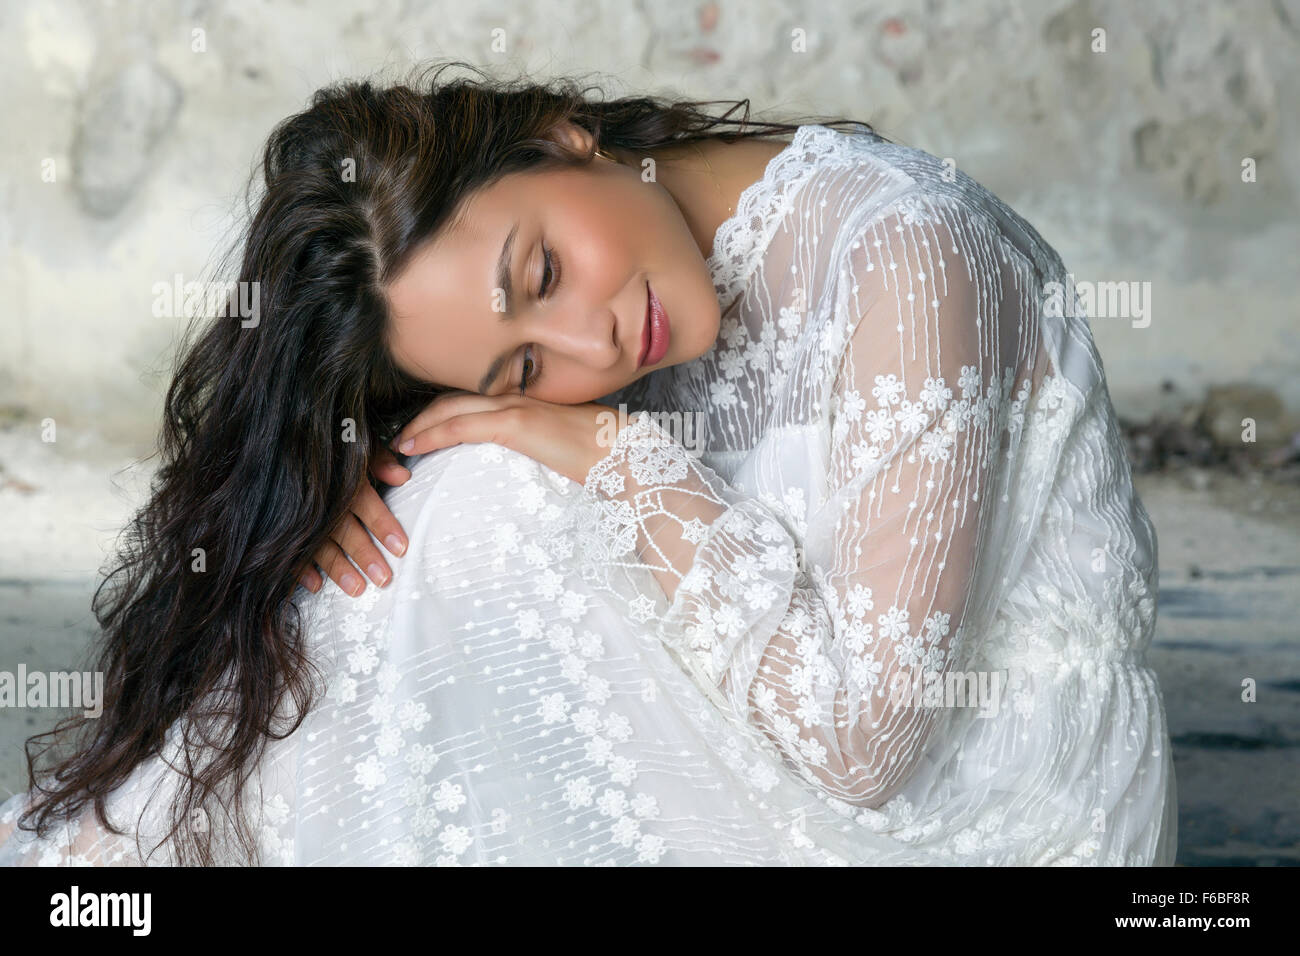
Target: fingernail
x=351 y=583
x=406 y=446
x=395 y=545
x=377 y=574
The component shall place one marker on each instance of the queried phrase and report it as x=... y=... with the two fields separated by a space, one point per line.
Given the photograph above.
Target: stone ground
x=1229 y=551
x=1228 y=608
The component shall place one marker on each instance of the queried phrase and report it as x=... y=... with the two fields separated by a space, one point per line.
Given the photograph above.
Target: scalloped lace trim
x=740 y=240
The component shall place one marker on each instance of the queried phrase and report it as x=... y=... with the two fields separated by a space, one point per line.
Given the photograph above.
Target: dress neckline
x=732 y=232
x=741 y=239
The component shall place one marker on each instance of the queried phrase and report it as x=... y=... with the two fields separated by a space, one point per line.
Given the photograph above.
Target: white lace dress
x=895 y=611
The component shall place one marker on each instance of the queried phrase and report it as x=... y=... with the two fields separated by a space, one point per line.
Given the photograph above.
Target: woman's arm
x=809 y=651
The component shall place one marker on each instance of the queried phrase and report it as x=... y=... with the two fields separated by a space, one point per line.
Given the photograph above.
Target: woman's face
x=580 y=248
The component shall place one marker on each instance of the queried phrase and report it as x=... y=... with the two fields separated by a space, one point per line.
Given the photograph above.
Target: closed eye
x=531 y=370
x=551 y=268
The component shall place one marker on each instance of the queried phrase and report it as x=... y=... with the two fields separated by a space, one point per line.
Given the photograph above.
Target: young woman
x=763 y=510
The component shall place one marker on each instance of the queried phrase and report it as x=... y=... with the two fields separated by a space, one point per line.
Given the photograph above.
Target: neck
x=687 y=177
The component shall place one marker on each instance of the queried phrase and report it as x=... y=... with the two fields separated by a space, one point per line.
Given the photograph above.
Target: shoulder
x=935 y=187
x=846 y=184
x=910 y=252
x=920 y=304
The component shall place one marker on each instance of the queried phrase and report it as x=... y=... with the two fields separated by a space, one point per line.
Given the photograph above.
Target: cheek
x=437 y=352
x=600 y=243
x=562 y=383
x=623 y=223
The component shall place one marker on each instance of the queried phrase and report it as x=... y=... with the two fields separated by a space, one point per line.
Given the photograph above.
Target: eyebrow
x=505 y=282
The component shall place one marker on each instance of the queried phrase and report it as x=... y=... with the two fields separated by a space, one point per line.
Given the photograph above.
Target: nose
x=589 y=337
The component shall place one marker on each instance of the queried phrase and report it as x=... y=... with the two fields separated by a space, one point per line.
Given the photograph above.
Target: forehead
x=455 y=267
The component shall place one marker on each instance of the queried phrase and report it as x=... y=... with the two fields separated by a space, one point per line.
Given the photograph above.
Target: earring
x=604 y=155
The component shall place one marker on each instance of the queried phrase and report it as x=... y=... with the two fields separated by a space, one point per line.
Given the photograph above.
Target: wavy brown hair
x=254 y=465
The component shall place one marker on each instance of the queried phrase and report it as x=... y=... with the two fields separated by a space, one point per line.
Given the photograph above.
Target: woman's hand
x=569 y=439
x=350 y=540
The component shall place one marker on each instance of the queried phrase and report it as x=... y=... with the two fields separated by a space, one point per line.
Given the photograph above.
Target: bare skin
x=575 y=329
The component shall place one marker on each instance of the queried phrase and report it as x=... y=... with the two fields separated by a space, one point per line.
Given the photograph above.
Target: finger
x=311 y=580
x=448 y=406
x=339 y=569
x=385 y=467
x=369 y=507
x=350 y=535
x=437 y=410
x=500 y=426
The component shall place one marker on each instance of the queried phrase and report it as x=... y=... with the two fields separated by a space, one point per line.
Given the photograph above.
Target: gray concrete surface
x=1228 y=611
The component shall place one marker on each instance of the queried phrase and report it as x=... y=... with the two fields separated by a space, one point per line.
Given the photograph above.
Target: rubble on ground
x=1208 y=433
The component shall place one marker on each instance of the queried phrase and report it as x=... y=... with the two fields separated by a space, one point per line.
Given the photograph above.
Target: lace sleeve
x=815 y=641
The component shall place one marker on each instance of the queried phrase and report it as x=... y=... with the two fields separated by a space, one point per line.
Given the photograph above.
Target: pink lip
x=657 y=333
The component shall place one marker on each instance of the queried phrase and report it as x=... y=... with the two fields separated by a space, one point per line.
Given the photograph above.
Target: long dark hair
x=268 y=429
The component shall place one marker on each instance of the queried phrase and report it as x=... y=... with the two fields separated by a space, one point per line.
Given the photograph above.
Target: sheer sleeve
x=816 y=638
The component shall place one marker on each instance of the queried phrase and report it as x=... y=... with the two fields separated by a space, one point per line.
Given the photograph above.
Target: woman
x=886 y=600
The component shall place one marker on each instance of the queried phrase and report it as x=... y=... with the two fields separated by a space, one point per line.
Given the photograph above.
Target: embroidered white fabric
x=895 y=611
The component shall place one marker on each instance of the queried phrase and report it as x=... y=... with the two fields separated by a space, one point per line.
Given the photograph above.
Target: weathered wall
x=1128 y=160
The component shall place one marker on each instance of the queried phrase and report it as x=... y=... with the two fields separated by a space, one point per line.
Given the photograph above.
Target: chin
x=708 y=336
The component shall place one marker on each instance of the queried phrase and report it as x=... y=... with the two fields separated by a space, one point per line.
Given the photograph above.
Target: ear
x=572 y=137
